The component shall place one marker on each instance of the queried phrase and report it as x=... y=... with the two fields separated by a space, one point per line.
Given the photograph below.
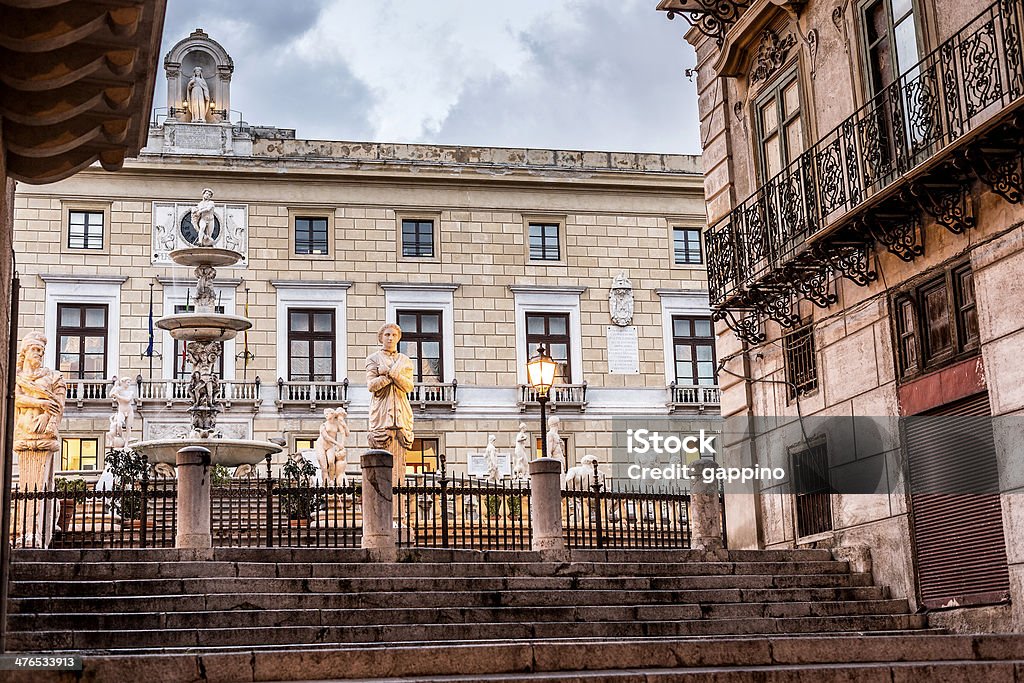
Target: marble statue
x=245 y=471
x=198 y=94
x=620 y=300
x=329 y=447
x=521 y=457
x=165 y=470
x=123 y=420
x=556 y=447
x=203 y=219
x=389 y=378
x=581 y=477
x=491 y=459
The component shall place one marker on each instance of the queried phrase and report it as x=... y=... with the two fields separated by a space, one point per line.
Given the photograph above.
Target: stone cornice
x=168 y=280
x=90 y=279
x=546 y=289
x=421 y=286
x=311 y=284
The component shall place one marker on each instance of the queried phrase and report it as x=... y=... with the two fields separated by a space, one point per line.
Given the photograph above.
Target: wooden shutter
x=957 y=521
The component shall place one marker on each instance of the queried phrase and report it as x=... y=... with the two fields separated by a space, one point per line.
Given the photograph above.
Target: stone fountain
x=203 y=331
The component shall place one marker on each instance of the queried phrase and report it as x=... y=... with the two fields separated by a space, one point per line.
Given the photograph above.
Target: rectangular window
x=890 y=40
x=966 y=307
x=552 y=330
x=302 y=444
x=779 y=129
x=544 y=245
x=906 y=330
x=935 y=321
x=182 y=365
x=311 y=235
x=79 y=454
x=311 y=345
x=85 y=230
x=813 y=490
x=537 y=448
x=417 y=239
x=686 y=246
x=422 y=457
x=421 y=341
x=82 y=340
x=801 y=361
x=694 y=343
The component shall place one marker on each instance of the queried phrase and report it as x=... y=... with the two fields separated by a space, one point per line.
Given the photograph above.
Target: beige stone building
x=866 y=258
x=478 y=253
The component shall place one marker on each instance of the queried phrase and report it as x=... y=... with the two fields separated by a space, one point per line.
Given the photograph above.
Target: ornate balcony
x=682 y=397
x=425 y=395
x=911 y=151
x=174 y=393
x=711 y=17
x=559 y=396
x=91 y=392
x=312 y=395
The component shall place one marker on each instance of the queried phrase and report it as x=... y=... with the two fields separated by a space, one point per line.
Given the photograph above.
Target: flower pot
x=67 y=513
x=298 y=522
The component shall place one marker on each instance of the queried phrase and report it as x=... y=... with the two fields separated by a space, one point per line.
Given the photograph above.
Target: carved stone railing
x=700 y=397
x=175 y=391
x=84 y=392
x=911 y=150
x=301 y=394
x=425 y=395
x=559 y=396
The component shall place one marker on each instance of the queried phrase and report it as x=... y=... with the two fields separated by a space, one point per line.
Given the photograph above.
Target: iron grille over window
x=82 y=341
x=311 y=345
x=311 y=235
x=85 y=229
x=813 y=491
x=694 y=348
x=421 y=341
x=801 y=361
x=544 y=242
x=417 y=239
x=552 y=330
x=686 y=246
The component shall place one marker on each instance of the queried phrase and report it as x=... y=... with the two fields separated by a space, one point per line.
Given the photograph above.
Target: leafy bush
x=71 y=486
x=128 y=467
x=302 y=500
x=220 y=475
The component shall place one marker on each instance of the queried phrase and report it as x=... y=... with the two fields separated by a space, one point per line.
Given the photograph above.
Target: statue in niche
x=491 y=459
x=620 y=300
x=389 y=378
x=329 y=447
x=521 y=459
x=198 y=96
x=123 y=420
x=203 y=219
x=556 y=447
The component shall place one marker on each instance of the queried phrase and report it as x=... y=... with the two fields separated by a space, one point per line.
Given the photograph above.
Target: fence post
x=546 y=505
x=145 y=515
x=378 y=528
x=705 y=507
x=270 y=506
x=596 y=507
x=444 y=502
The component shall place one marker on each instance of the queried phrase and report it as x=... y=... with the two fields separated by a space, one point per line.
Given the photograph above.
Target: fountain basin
x=205 y=256
x=227 y=452
x=204 y=326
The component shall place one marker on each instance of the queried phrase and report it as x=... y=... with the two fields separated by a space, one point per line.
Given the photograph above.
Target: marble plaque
x=476 y=465
x=623 y=350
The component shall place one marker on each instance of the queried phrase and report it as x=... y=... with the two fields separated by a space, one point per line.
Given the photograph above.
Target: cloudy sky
x=571 y=74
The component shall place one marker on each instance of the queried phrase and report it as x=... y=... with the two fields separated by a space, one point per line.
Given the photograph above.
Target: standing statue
x=198 y=96
x=39 y=397
x=521 y=459
x=389 y=378
x=330 y=446
x=123 y=420
x=203 y=219
x=491 y=458
x=556 y=447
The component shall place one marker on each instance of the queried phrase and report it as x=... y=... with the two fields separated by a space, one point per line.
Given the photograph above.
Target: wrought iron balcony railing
x=425 y=395
x=311 y=394
x=559 y=396
x=891 y=149
x=700 y=397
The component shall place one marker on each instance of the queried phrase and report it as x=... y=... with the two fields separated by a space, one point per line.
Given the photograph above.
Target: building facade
x=478 y=253
x=865 y=257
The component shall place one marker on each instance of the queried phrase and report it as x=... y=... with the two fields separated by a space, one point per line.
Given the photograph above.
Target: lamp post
x=540 y=370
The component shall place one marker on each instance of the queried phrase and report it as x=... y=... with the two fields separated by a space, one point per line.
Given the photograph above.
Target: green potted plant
x=71 y=490
x=220 y=475
x=302 y=500
x=513 y=506
x=128 y=467
x=493 y=505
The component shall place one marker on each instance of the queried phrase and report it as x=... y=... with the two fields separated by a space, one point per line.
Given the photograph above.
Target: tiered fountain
x=203 y=331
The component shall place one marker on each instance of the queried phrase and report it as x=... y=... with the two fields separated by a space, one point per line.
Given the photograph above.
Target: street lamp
x=540 y=370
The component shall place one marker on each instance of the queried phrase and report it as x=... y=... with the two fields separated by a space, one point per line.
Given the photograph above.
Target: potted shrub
x=70 y=490
x=128 y=467
x=513 y=506
x=302 y=500
x=493 y=504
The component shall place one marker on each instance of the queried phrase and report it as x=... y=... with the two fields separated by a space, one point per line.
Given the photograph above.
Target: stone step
x=435 y=599
x=38 y=571
x=908 y=656
x=41 y=640
x=442 y=615
x=320 y=585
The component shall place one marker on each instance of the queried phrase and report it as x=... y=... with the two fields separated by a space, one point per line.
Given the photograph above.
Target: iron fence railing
x=955 y=89
x=608 y=514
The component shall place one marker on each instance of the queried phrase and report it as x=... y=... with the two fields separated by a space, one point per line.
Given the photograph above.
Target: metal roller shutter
x=957 y=528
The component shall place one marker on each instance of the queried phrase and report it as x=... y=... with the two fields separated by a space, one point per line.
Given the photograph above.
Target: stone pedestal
x=546 y=505
x=194 y=475
x=37 y=519
x=378 y=529
x=705 y=508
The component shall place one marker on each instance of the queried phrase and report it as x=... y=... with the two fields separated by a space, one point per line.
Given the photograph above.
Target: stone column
x=546 y=505
x=705 y=508
x=194 y=475
x=378 y=529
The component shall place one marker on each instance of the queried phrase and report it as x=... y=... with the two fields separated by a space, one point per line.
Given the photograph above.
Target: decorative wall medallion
x=172 y=229
x=771 y=55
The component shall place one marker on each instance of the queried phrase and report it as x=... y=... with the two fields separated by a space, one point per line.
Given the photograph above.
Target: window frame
x=67 y=331
x=533 y=339
x=774 y=91
x=298 y=245
x=795 y=388
x=311 y=213
x=872 y=89
x=419 y=216
x=80 y=439
x=693 y=341
x=67 y=207
x=312 y=336
x=700 y=246
x=417 y=223
x=544 y=238
x=436 y=457
x=417 y=337
x=560 y=222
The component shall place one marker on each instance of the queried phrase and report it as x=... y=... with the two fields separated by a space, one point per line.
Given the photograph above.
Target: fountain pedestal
x=193 y=464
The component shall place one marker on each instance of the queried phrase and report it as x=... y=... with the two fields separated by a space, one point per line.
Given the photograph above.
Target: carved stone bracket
x=901 y=235
x=771 y=55
x=949 y=204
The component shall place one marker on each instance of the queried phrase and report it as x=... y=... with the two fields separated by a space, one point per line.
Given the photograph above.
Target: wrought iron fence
x=955 y=89
x=607 y=514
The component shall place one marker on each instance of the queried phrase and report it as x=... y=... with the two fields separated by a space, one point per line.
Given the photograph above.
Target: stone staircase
x=296 y=614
